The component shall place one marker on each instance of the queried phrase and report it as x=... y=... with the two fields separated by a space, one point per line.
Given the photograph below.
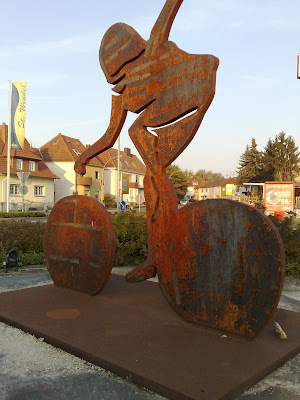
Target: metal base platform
x=130 y=330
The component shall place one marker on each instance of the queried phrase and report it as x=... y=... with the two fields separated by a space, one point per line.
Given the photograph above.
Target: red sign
x=279 y=197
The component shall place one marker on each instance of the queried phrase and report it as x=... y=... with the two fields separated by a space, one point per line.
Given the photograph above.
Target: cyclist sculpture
x=219 y=262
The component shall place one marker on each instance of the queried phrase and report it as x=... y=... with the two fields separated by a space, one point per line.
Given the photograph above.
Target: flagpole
x=8 y=147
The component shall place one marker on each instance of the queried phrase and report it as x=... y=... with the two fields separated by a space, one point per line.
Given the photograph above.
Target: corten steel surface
x=218 y=263
x=79 y=244
x=130 y=330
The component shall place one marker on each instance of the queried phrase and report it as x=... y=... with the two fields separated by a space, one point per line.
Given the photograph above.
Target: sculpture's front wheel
x=79 y=244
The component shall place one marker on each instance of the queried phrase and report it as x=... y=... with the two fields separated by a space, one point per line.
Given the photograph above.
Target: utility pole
x=118 y=176
x=8 y=147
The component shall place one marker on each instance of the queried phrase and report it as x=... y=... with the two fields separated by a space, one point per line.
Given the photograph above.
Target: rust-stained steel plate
x=219 y=262
x=79 y=244
x=222 y=265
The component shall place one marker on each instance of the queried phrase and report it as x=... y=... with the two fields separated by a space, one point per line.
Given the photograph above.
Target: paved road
x=33 y=370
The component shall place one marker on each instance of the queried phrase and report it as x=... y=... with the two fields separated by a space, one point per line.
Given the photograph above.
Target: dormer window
x=76 y=152
x=19 y=164
x=31 y=165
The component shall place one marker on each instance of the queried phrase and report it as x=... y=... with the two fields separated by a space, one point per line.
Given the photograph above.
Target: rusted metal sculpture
x=79 y=244
x=219 y=262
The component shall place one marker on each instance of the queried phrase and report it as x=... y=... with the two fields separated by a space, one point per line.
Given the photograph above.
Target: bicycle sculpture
x=219 y=262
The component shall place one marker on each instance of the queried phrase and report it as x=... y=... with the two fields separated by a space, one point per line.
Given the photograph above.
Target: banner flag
x=18 y=115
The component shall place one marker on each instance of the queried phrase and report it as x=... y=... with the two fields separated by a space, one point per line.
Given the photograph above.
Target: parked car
x=183 y=202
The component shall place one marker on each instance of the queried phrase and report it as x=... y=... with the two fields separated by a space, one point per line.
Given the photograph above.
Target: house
x=60 y=154
x=132 y=173
x=220 y=188
x=200 y=190
x=39 y=187
x=192 y=184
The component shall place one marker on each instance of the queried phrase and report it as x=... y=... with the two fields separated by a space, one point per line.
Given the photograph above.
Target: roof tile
x=28 y=153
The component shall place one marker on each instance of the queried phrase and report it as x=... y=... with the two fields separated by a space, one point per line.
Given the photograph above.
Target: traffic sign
x=23 y=176
x=23 y=189
x=122 y=205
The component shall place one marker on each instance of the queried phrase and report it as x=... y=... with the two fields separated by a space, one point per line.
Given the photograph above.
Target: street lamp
x=174 y=172
x=118 y=176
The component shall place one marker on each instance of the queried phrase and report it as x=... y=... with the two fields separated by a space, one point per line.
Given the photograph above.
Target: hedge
x=27 y=239
x=20 y=214
x=131 y=237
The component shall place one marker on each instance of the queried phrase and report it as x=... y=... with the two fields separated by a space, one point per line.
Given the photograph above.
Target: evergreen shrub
x=290 y=236
x=131 y=237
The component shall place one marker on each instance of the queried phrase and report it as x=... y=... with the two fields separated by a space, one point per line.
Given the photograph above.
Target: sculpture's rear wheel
x=223 y=266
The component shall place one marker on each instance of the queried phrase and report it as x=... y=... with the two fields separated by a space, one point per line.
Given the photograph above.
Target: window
x=97 y=194
x=76 y=152
x=31 y=165
x=137 y=179
x=39 y=190
x=14 y=190
x=86 y=192
x=19 y=163
x=126 y=162
x=97 y=174
x=133 y=163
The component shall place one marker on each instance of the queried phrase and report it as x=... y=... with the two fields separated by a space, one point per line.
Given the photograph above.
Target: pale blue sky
x=55 y=45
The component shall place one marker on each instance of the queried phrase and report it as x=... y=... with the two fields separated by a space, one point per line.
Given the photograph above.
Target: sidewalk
x=32 y=369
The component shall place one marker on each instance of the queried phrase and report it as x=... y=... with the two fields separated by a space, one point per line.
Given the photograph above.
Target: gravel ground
x=31 y=369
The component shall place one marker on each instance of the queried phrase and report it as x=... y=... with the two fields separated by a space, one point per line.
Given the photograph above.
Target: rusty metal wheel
x=79 y=244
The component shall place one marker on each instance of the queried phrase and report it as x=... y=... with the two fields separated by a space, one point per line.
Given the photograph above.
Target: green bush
x=20 y=214
x=131 y=236
x=31 y=258
x=109 y=200
x=290 y=236
x=22 y=235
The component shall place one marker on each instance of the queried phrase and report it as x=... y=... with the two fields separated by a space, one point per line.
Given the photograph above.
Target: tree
x=188 y=172
x=281 y=159
x=179 y=180
x=250 y=165
x=204 y=175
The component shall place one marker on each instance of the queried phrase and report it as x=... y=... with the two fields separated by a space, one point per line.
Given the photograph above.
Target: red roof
x=217 y=183
x=64 y=148
x=129 y=163
x=28 y=153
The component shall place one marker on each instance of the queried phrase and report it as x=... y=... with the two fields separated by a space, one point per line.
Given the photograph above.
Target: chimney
x=4 y=132
x=127 y=151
